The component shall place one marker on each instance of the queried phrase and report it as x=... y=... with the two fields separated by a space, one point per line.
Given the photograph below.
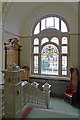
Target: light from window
x=55 y=40
x=44 y=40
x=49 y=60
x=35 y=64
x=64 y=65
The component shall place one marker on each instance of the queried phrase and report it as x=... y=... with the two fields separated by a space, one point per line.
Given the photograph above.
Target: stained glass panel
x=44 y=40
x=35 y=64
x=64 y=40
x=55 y=40
x=64 y=65
x=49 y=60
x=36 y=41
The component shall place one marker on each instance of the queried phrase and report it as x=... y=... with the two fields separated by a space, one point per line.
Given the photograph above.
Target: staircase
x=18 y=95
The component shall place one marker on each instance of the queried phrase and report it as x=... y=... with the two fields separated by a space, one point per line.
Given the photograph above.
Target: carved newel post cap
x=46 y=87
x=35 y=84
x=13 y=67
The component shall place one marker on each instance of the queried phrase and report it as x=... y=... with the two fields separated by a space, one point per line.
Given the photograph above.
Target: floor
x=58 y=109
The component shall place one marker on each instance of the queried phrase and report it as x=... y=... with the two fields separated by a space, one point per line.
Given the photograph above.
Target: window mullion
x=39 y=59
x=60 y=59
x=60 y=24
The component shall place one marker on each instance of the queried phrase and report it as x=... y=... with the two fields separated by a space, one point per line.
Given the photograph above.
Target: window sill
x=50 y=77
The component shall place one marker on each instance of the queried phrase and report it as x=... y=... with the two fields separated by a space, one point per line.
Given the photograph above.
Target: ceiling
x=17 y=12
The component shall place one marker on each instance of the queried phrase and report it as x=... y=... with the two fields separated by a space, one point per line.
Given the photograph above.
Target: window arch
x=50 y=46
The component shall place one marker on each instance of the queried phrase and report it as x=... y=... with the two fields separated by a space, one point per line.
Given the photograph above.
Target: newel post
x=12 y=92
x=46 y=90
x=35 y=84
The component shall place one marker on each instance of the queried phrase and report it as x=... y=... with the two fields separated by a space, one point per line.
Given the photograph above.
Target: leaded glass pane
x=55 y=40
x=35 y=64
x=44 y=40
x=42 y=24
x=36 y=49
x=64 y=65
x=64 y=40
x=37 y=29
x=57 y=23
x=64 y=49
x=49 y=22
x=36 y=41
x=49 y=60
x=63 y=27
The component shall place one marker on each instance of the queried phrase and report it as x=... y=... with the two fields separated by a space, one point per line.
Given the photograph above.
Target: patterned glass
x=49 y=60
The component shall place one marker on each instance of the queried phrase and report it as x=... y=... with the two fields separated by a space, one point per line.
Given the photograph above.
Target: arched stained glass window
x=49 y=60
x=50 y=46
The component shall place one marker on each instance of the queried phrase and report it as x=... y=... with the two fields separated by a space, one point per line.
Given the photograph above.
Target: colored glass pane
x=49 y=60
